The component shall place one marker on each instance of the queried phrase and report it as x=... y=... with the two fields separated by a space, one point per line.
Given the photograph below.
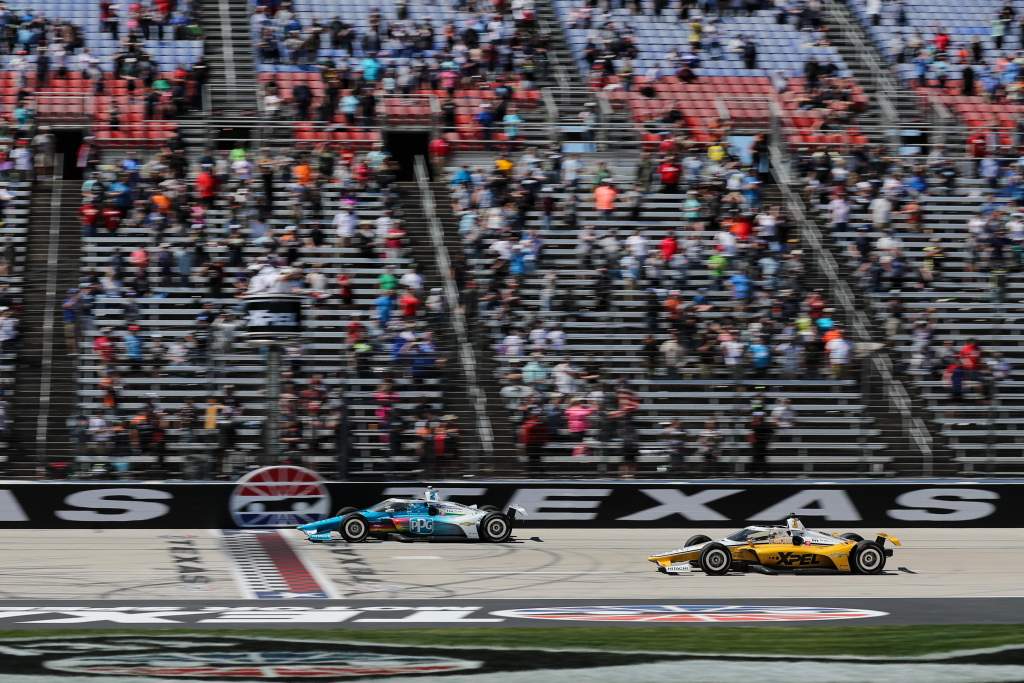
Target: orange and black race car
x=769 y=549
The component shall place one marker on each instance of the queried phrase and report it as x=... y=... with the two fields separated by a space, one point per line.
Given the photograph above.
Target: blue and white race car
x=426 y=518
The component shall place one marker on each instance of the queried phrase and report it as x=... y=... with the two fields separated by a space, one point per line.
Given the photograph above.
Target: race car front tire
x=489 y=508
x=867 y=558
x=354 y=528
x=852 y=537
x=715 y=559
x=495 y=528
x=345 y=511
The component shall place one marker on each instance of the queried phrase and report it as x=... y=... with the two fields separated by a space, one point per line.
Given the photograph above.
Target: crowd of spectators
x=214 y=235
x=45 y=52
x=722 y=288
x=892 y=192
x=992 y=71
x=497 y=48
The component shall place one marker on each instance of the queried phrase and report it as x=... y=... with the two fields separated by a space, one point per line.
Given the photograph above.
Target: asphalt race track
x=57 y=578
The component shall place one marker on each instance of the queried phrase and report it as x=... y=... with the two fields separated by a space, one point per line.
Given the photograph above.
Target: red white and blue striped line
x=266 y=567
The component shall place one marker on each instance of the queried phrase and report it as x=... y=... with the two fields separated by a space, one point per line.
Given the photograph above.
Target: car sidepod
x=787 y=556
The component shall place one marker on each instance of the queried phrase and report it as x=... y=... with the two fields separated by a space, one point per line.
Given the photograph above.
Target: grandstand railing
x=736 y=110
x=64 y=106
x=412 y=111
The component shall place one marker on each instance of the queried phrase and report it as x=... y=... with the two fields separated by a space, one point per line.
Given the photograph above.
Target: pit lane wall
x=276 y=499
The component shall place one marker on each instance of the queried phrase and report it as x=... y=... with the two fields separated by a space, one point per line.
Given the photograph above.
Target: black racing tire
x=354 y=528
x=694 y=540
x=867 y=558
x=852 y=537
x=715 y=559
x=345 y=511
x=489 y=508
x=495 y=528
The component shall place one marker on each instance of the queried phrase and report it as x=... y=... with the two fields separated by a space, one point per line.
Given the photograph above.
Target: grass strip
x=798 y=639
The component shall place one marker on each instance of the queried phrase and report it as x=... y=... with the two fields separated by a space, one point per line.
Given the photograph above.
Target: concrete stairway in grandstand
x=455 y=395
x=571 y=91
x=228 y=48
x=505 y=457
x=44 y=400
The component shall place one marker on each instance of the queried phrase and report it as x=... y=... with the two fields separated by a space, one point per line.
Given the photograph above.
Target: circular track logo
x=279 y=496
x=269 y=664
x=689 y=614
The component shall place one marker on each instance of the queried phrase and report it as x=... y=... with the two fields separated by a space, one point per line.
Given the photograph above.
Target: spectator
x=604 y=198
x=759 y=438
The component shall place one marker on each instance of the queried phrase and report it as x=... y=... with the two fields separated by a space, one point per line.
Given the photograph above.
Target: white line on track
x=532 y=571
x=416 y=557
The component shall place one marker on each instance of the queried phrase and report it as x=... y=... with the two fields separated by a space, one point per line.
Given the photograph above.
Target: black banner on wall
x=576 y=504
x=273 y=315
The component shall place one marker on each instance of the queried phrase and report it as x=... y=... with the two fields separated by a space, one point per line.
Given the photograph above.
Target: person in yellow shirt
x=213 y=408
x=716 y=152
x=696 y=34
x=503 y=165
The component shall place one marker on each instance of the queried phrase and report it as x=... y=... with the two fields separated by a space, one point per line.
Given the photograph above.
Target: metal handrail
x=551 y=110
x=465 y=348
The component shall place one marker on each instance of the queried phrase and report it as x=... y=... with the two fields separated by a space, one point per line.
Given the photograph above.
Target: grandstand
x=537 y=237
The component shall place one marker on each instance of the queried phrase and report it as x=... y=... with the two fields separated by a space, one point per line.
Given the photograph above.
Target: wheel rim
x=715 y=559
x=354 y=527
x=869 y=559
x=497 y=528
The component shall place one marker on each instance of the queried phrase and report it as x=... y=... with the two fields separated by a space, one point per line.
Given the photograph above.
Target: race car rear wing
x=881 y=537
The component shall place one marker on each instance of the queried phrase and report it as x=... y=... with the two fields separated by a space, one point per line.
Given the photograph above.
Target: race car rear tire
x=488 y=508
x=354 y=528
x=867 y=558
x=852 y=537
x=346 y=511
x=715 y=559
x=495 y=528
x=694 y=540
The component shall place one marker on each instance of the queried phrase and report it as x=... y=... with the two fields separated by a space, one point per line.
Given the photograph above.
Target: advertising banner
x=288 y=496
x=273 y=316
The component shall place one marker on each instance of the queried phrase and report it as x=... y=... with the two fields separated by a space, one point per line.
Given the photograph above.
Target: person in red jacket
x=206 y=186
x=90 y=216
x=111 y=219
x=439 y=149
x=103 y=346
x=669 y=173
x=668 y=145
x=970 y=358
x=533 y=436
x=977 y=147
x=669 y=247
x=409 y=304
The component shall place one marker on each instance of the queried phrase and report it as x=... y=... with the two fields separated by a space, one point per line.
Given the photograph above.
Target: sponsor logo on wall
x=279 y=496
